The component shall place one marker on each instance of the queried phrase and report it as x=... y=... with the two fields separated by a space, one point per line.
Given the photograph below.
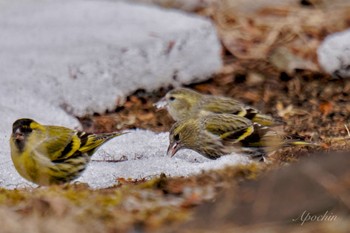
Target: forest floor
x=271 y=66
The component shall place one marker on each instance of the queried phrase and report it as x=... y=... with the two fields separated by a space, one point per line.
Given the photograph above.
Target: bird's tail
x=91 y=142
x=265 y=140
x=266 y=120
x=291 y=142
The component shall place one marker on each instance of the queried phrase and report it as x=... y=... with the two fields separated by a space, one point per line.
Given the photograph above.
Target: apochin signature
x=308 y=217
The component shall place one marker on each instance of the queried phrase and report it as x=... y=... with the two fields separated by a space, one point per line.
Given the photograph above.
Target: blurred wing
x=61 y=142
x=231 y=106
x=223 y=105
x=229 y=127
x=260 y=137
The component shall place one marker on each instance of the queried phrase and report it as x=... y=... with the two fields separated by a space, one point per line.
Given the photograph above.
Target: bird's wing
x=231 y=106
x=229 y=127
x=61 y=143
x=223 y=105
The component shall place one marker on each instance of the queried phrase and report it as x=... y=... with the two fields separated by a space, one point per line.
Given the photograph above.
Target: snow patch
x=334 y=54
x=76 y=57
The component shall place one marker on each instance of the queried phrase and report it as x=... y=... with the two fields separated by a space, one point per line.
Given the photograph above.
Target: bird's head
x=183 y=135
x=21 y=130
x=179 y=102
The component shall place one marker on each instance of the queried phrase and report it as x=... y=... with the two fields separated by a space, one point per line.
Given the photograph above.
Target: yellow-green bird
x=214 y=135
x=46 y=155
x=184 y=103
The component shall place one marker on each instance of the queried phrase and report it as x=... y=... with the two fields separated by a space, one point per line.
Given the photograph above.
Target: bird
x=183 y=103
x=214 y=135
x=49 y=155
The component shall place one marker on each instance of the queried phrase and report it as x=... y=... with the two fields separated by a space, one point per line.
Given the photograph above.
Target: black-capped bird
x=46 y=155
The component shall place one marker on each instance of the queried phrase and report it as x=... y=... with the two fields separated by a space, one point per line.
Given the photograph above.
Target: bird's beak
x=161 y=104
x=172 y=149
x=18 y=135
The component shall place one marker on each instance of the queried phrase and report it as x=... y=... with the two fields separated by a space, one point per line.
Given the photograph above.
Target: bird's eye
x=26 y=130
x=177 y=137
x=172 y=98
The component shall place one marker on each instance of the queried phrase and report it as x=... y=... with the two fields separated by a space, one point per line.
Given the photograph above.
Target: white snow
x=142 y=154
x=146 y=157
x=76 y=57
x=334 y=54
x=187 y=5
x=85 y=55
